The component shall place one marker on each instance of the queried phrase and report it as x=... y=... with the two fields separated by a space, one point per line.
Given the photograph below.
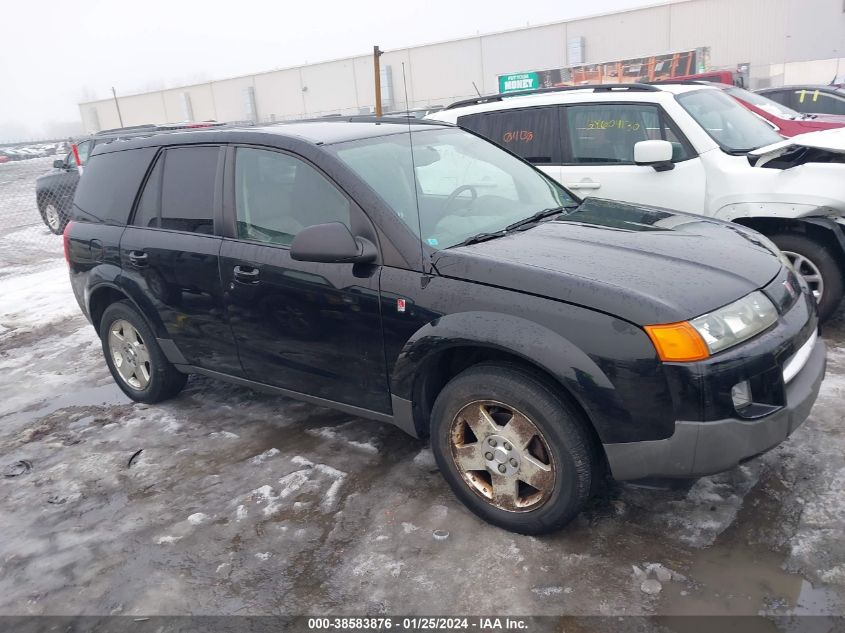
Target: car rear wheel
x=53 y=217
x=134 y=358
x=819 y=268
x=513 y=451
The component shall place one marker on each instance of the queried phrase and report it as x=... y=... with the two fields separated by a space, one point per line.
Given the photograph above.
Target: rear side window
x=531 y=133
x=108 y=187
x=179 y=194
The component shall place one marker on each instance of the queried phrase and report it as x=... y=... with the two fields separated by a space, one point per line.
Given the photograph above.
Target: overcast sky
x=56 y=53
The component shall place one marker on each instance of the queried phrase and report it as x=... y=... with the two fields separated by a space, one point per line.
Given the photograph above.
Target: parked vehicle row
x=785 y=121
x=8 y=154
x=684 y=146
x=415 y=273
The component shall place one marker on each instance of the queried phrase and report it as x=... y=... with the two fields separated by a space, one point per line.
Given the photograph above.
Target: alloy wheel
x=52 y=216
x=809 y=271
x=502 y=456
x=129 y=354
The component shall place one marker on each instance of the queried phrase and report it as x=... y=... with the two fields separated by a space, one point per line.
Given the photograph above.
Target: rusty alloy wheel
x=502 y=456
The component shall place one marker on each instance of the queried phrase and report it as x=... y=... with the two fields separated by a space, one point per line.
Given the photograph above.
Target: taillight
x=66 y=240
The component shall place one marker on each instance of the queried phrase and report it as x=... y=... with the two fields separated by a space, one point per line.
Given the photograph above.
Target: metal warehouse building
x=775 y=42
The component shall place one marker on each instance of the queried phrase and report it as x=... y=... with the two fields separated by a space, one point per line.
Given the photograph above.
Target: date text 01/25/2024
x=418 y=624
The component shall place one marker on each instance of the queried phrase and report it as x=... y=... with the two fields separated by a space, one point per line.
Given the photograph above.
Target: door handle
x=246 y=274
x=138 y=259
x=582 y=185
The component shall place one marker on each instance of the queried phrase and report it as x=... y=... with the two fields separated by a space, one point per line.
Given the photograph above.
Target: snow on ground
x=224 y=500
x=37 y=299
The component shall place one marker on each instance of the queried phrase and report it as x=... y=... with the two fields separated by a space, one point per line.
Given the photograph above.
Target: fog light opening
x=741 y=395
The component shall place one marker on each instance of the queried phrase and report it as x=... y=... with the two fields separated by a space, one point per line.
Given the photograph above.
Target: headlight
x=694 y=340
x=736 y=322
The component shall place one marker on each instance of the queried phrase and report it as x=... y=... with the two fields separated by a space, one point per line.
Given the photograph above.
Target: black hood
x=642 y=264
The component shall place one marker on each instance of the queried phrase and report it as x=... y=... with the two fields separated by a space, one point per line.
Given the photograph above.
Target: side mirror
x=658 y=154
x=59 y=163
x=331 y=243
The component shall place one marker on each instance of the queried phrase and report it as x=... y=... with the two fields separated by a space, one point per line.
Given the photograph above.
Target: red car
x=787 y=121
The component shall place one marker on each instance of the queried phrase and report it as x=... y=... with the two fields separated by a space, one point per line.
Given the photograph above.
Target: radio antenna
x=413 y=168
x=478 y=92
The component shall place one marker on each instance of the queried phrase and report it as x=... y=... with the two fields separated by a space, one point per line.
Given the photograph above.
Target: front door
x=312 y=328
x=169 y=256
x=598 y=150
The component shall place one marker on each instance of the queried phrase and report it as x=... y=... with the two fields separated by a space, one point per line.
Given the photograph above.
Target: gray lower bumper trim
x=704 y=448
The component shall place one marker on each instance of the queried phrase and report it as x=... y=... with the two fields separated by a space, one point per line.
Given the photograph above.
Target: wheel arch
x=822 y=230
x=105 y=294
x=440 y=350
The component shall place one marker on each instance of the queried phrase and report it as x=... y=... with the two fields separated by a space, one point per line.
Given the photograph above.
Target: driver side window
x=278 y=195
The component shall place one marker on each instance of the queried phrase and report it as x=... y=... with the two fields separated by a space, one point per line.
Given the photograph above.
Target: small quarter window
x=147 y=212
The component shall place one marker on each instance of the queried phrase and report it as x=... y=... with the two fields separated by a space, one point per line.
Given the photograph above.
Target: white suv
x=686 y=147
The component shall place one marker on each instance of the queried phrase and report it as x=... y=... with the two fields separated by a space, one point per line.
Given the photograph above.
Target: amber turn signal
x=677 y=342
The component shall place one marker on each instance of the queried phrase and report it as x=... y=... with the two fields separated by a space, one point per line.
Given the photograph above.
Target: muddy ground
x=226 y=501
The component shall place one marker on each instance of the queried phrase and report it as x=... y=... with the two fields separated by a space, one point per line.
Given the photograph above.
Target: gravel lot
x=225 y=501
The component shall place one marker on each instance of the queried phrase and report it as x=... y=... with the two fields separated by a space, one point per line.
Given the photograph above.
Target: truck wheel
x=135 y=360
x=515 y=453
x=53 y=217
x=819 y=268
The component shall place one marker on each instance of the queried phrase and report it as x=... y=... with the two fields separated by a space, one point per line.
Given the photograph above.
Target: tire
x=134 y=357
x=813 y=259
x=562 y=445
x=54 y=218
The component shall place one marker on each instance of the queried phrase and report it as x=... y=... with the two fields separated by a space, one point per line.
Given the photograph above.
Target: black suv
x=416 y=274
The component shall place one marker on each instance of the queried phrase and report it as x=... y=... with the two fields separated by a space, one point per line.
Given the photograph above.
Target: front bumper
x=703 y=448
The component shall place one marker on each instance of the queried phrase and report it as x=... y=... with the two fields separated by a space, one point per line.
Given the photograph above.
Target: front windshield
x=736 y=129
x=764 y=103
x=465 y=185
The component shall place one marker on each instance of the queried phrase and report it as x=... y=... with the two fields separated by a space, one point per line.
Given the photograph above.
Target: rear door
x=312 y=328
x=169 y=254
x=598 y=148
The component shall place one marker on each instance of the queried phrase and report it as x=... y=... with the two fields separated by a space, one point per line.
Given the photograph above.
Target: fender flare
x=113 y=283
x=537 y=345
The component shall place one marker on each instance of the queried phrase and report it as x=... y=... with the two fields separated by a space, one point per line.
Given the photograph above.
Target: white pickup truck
x=687 y=147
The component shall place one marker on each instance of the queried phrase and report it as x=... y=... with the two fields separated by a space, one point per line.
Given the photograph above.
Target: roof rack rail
x=632 y=87
x=682 y=82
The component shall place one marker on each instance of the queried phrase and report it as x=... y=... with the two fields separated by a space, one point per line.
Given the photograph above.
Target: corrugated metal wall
x=771 y=35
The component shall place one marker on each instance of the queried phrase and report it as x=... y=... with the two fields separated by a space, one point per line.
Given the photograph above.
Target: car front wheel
x=819 y=268
x=513 y=451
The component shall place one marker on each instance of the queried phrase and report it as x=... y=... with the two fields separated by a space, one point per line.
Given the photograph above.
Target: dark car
x=54 y=190
x=416 y=274
x=809 y=99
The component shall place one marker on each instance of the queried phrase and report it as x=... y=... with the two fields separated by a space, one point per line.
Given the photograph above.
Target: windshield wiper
x=481 y=237
x=545 y=213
